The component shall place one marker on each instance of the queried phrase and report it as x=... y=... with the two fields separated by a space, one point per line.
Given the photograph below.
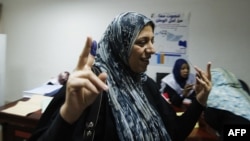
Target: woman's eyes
x=143 y=42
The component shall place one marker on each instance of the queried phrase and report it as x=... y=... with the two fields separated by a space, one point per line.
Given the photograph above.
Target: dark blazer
x=218 y=118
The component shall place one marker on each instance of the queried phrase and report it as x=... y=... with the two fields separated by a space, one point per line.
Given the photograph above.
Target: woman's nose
x=150 y=49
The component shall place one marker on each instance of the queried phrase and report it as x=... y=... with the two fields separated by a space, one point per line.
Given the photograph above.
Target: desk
x=19 y=128
x=203 y=133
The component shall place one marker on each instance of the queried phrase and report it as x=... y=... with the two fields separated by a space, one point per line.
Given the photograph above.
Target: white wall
x=46 y=37
x=2 y=67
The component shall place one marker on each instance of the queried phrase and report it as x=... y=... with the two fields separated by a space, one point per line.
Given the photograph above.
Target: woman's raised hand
x=83 y=86
x=203 y=84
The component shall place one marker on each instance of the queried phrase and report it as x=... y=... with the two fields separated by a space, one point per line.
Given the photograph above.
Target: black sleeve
x=174 y=98
x=51 y=126
x=178 y=127
x=58 y=130
x=217 y=118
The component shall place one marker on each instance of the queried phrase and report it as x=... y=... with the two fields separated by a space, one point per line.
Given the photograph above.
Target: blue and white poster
x=171 y=37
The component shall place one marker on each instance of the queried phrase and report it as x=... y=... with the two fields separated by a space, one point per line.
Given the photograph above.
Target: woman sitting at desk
x=179 y=84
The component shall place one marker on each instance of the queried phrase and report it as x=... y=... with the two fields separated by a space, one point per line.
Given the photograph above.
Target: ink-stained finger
x=93 y=48
x=92 y=54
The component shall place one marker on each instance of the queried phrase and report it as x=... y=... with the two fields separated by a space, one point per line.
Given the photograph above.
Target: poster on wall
x=171 y=37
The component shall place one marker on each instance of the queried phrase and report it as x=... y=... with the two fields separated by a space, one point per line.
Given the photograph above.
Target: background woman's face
x=142 y=50
x=184 y=70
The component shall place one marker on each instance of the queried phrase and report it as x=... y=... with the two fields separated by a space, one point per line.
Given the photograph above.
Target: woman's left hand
x=203 y=84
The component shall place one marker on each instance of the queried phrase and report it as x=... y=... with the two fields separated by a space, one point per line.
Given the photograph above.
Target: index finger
x=209 y=71
x=83 y=58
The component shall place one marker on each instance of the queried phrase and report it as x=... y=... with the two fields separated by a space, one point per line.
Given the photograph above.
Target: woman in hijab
x=109 y=96
x=178 y=86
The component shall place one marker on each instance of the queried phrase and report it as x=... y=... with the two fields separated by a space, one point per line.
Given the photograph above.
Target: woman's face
x=142 y=50
x=184 y=70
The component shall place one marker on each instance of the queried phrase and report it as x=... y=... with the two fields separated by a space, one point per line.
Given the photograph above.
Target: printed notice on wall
x=171 y=37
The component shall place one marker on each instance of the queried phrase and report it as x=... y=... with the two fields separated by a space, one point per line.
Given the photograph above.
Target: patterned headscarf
x=177 y=72
x=135 y=117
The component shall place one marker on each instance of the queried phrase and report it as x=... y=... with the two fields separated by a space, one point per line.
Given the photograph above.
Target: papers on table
x=39 y=98
x=35 y=103
x=48 y=90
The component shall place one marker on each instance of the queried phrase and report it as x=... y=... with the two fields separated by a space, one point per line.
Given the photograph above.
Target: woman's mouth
x=145 y=60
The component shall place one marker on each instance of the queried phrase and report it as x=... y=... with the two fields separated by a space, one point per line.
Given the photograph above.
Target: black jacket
x=52 y=127
x=218 y=119
x=175 y=98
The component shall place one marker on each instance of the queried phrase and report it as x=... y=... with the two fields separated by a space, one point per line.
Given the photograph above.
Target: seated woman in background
x=178 y=85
